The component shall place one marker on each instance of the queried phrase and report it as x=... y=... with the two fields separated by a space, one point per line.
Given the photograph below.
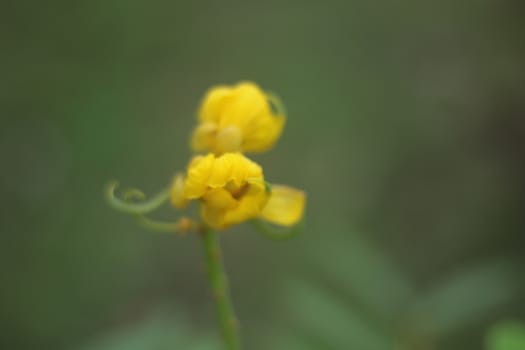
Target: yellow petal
x=213 y=217
x=247 y=102
x=177 y=198
x=228 y=139
x=222 y=169
x=246 y=169
x=285 y=206
x=203 y=137
x=249 y=205
x=198 y=175
x=219 y=198
x=262 y=133
x=213 y=103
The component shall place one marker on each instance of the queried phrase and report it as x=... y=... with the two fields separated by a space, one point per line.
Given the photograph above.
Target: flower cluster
x=230 y=188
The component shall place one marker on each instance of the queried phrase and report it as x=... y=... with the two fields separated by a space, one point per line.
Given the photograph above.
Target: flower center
x=237 y=192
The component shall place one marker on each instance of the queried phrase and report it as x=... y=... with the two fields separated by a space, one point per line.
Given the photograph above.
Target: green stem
x=219 y=284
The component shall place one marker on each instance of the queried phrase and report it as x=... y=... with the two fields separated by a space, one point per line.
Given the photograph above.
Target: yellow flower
x=232 y=189
x=237 y=119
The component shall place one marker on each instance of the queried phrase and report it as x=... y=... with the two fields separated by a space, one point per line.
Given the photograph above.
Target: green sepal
x=276 y=103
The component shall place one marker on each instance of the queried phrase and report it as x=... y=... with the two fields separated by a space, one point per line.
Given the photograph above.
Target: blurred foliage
x=158 y=331
x=371 y=305
x=507 y=335
x=405 y=125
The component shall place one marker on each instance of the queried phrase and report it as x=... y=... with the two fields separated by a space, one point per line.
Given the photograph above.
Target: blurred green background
x=406 y=128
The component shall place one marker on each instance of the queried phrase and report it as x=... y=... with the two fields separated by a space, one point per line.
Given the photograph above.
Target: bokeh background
x=406 y=128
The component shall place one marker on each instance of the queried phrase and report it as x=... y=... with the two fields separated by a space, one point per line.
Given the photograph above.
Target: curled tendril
x=134 y=194
x=137 y=208
x=274 y=232
x=183 y=225
x=276 y=103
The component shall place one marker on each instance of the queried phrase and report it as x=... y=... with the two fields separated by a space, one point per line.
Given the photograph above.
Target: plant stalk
x=220 y=289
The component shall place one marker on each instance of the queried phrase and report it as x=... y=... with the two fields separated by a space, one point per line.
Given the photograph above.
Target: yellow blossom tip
x=177 y=198
x=238 y=118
